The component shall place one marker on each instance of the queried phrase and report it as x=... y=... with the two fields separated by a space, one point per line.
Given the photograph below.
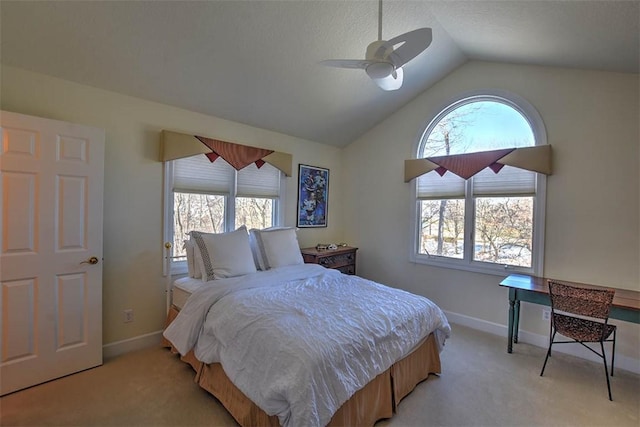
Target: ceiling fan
x=384 y=59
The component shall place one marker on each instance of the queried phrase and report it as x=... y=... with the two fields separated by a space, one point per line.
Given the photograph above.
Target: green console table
x=626 y=303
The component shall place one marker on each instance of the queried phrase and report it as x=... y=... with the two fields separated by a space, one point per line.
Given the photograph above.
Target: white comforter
x=300 y=340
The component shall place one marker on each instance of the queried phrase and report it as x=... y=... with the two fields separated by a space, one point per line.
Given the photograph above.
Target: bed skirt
x=376 y=400
x=189 y=358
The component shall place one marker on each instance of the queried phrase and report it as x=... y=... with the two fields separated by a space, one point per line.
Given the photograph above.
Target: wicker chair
x=574 y=311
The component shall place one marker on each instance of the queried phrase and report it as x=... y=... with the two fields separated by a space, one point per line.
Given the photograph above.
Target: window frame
x=180 y=267
x=531 y=115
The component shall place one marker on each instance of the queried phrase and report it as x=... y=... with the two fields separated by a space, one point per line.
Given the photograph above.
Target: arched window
x=491 y=221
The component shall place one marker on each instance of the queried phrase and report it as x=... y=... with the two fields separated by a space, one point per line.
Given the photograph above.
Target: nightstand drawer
x=337 y=261
x=343 y=259
x=348 y=269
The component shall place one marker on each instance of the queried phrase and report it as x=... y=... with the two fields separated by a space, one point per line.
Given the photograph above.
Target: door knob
x=93 y=261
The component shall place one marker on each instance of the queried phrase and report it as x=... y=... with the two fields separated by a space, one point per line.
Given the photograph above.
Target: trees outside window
x=490 y=221
x=193 y=211
x=254 y=212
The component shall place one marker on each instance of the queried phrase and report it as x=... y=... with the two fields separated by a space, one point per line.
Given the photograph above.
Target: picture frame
x=313 y=196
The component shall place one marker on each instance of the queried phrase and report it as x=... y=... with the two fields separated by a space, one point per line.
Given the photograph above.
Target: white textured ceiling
x=256 y=62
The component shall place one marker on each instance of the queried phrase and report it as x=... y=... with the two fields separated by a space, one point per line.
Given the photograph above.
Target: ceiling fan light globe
x=392 y=82
x=380 y=70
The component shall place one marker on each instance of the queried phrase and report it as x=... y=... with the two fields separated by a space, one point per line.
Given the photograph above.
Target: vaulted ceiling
x=257 y=62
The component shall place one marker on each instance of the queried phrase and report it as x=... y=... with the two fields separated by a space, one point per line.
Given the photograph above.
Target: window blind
x=433 y=186
x=198 y=174
x=509 y=181
x=254 y=182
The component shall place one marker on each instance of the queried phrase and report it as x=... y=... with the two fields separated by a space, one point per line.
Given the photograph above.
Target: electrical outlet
x=128 y=315
x=546 y=314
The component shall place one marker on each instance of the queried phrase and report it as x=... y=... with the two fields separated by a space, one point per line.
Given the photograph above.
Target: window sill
x=473 y=266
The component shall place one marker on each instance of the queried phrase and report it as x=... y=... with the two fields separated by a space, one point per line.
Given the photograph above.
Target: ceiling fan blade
x=413 y=43
x=392 y=82
x=347 y=63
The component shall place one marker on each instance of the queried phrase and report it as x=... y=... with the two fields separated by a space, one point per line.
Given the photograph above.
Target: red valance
x=238 y=156
x=174 y=145
x=467 y=165
x=536 y=159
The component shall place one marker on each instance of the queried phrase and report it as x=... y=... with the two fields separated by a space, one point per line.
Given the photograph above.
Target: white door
x=51 y=185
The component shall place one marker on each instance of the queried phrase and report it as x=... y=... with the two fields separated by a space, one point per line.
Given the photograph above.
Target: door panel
x=19 y=227
x=71 y=211
x=51 y=175
x=18 y=298
x=72 y=310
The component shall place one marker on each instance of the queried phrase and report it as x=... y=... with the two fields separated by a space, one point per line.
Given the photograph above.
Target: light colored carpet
x=481 y=385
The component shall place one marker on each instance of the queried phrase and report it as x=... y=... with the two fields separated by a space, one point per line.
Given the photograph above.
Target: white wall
x=592 y=207
x=133 y=248
x=593 y=200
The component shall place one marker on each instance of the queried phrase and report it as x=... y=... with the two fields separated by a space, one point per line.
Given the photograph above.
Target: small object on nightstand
x=343 y=258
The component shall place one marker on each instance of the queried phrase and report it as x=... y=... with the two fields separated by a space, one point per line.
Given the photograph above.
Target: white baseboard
x=621 y=362
x=131 y=344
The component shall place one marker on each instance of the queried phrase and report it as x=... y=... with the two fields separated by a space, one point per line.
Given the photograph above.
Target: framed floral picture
x=313 y=196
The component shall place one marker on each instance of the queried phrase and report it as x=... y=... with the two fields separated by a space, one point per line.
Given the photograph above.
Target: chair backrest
x=581 y=301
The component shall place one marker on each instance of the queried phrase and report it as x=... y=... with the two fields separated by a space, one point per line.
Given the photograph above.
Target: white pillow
x=194 y=259
x=198 y=267
x=189 y=247
x=225 y=254
x=256 y=245
x=199 y=264
x=277 y=247
x=258 y=258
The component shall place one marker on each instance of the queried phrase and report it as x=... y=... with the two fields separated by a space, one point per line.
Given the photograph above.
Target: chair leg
x=548 y=352
x=606 y=372
x=613 y=351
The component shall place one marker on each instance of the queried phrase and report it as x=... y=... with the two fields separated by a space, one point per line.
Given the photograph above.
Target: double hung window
x=491 y=221
x=215 y=198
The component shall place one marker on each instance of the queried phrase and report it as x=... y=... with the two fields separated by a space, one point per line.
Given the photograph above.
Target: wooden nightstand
x=343 y=258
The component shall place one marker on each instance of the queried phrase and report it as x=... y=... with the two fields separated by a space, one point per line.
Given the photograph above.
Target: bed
x=297 y=344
